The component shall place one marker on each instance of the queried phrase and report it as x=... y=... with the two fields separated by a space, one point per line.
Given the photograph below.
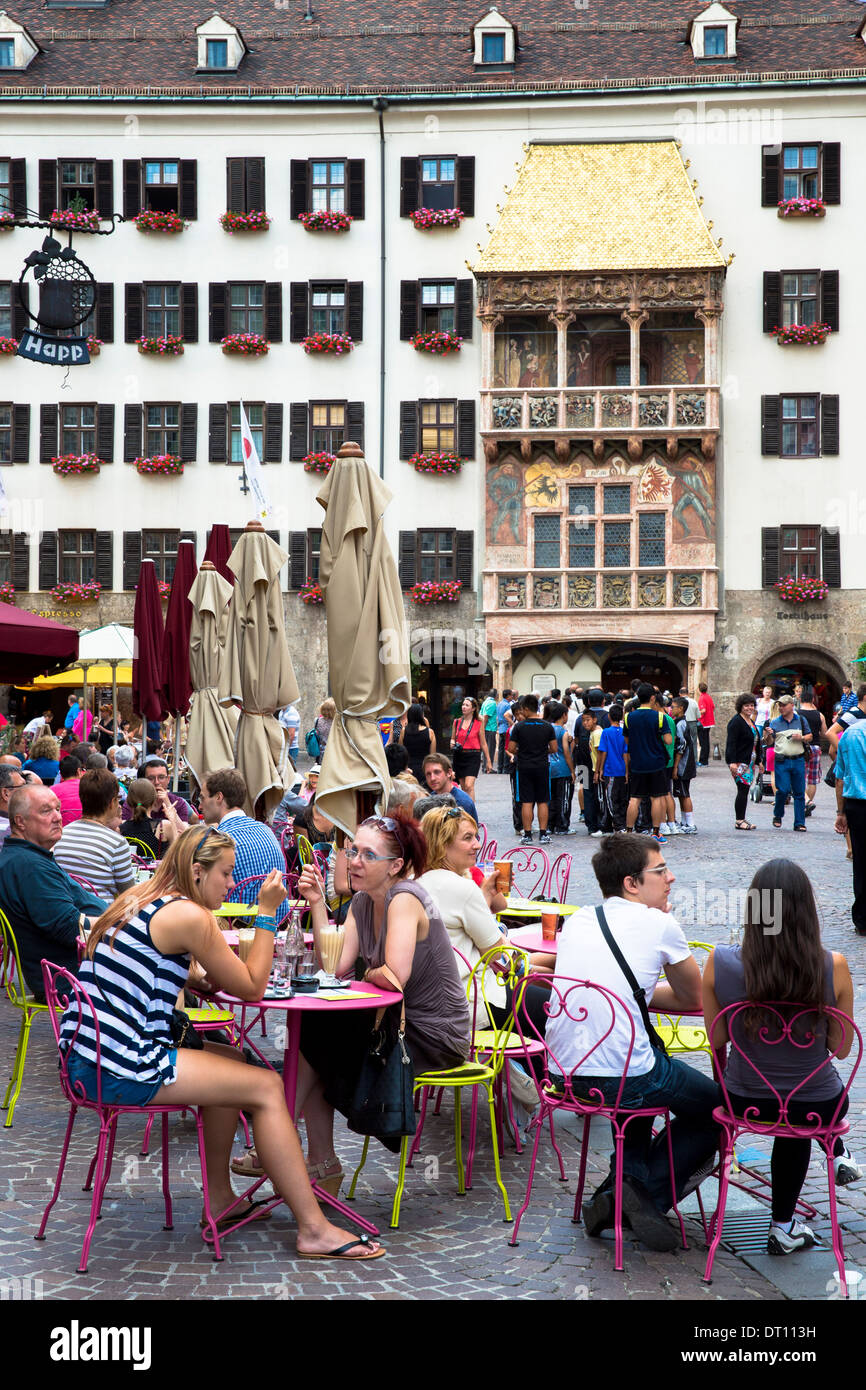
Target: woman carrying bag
x=743 y=755
x=467 y=745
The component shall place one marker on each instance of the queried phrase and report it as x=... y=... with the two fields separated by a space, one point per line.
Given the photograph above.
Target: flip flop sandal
x=341 y=1252
x=239 y=1214
x=744 y=825
x=246 y=1167
x=777 y=824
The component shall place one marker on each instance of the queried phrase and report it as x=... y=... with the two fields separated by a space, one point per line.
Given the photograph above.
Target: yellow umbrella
x=368 y=657
x=97 y=674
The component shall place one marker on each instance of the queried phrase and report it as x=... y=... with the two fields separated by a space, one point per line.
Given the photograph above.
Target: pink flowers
x=311 y=592
x=8 y=347
x=802 y=207
x=7 y=592
x=334 y=343
x=67 y=464
x=325 y=221
x=802 y=333
x=7 y=222
x=426 y=218
x=245 y=344
x=440 y=343
x=66 y=592
x=169 y=346
x=94 y=345
x=87 y=221
x=801 y=590
x=436 y=463
x=319 y=463
x=151 y=221
x=160 y=463
x=440 y=591
x=245 y=222
x=164 y=589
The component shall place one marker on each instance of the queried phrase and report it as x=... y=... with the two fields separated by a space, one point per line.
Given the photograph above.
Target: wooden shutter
x=105 y=559
x=48 y=435
x=21 y=434
x=235 y=186
x=771 y=170
x=299 y=417
x=255 y=183
x=466 y=184
x=772 y=300
x=771 y=425
x=408 y=429
x=408 y=185
x=769 y=556
x=20 y=316
x=131 y=187
x=133 y=433
x=299 y=300
x=189 y=313
x=355 y=422
x=103 y=186
x=831 y=173
x=217 y=434
x=18 y=187
x=465 y=317
x=298 y=178
x=274 y=312
x=829 y=424
x=355 y=310
x=831 y=559
x=47 y=188
x=105 y=312
x=407 y=562
x=189 y=189
x=273 y=440
x=466 y=429
x=48 y=560
x=356 y=189
x=218 y=302
x=297 y=559
x=105 y=432
x=465 y=546
x=830 y=298
x=131 y=558
x=409 y=292
x=133 y=312
x=21 y=562
x=188 y=432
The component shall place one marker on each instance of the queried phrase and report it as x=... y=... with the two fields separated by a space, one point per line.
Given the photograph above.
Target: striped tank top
x=134 y=988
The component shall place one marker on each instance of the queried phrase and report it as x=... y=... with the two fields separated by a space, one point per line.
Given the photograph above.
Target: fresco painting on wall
x=525 y=354
x=506 y=524
x=694 y=509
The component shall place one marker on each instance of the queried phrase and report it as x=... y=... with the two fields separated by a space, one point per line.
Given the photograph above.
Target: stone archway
x=783 y=667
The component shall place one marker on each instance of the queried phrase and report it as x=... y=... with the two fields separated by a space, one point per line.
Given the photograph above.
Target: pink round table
x=530 y=939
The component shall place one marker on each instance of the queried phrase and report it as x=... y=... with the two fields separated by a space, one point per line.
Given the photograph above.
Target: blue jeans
x=790 y=777
x=691 y=1098
x=116 y=1090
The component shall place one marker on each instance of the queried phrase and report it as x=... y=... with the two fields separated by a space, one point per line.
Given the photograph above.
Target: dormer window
x=17 y=47
x=493 y=48
x=716 y=42
x=217 y=53
x=494 y=40
x=221 y=46
x=713 y=34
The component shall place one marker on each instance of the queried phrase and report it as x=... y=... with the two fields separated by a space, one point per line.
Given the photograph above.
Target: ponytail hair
x=407 y=837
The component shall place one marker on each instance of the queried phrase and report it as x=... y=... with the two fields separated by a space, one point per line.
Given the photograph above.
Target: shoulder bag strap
x=638 y=993
x=395 y=984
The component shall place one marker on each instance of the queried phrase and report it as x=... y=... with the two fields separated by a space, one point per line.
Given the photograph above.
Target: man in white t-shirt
x=291 y=722
x=635 y=883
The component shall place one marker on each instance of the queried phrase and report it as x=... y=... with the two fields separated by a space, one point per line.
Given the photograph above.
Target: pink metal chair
x=491 y=850
x=61 y=988
x=576 y=999
x=533 y=862
x=560 y=874
x=483 y=836
x=85 y=883
x=802 y=1028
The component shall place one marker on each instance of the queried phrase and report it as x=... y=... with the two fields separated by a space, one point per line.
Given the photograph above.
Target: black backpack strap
x=637 y=992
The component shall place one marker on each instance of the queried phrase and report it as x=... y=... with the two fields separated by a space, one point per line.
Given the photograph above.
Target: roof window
x=494 y=41
x=713 y=34
x=221 y=47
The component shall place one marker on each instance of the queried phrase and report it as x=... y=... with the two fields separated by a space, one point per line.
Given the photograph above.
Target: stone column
x=562 y=319
x=710 y=319
x=634 y=318
x=489 y=323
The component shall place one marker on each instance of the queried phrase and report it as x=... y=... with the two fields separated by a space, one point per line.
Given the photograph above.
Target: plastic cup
x=505 y=872
x=549 y=923
x=246 y=937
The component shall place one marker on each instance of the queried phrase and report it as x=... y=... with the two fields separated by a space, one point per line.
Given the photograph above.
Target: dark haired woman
x=418 y=739
x=818 y=729
x=743 y=755
x=467 y=745
x=782 y=960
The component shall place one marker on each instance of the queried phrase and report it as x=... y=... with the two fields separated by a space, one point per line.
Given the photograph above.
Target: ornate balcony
x=674 y=590
x=639 y=414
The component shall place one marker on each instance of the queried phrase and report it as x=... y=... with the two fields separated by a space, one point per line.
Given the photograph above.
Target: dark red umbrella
x=31 y=646
x=176 y=682
x=219 y=548
x=147 y=697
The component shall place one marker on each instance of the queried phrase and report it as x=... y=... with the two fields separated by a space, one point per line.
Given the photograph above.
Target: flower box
x=7 y=592
x=244 y=222
x=808 y=333
x=311 y=593
x=442 y=591
x=8 y=347
x=152 y=221
x=325 y=221
x=439 y=343
x=319 y=463
x=94 y=345
x=70 y=464
x=87 y=221
x=66 y=592
x=425 y=219
x=333 y=343
x=436 y=463
x=801 y=590
x=7 y=221
x=802 y=207
x=245 y=345
x=169 y=346
x=160 y=463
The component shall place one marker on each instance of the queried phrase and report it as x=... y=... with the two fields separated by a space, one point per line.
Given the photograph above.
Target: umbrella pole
x=114 y=697
x=176 y=750
x=84 y=666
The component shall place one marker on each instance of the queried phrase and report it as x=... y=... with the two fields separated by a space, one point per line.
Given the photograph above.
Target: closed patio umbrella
x=176 y=682
x=257 y=675
x=368 y=657
x=218 y=550
x=210 y=740
x=147 y=697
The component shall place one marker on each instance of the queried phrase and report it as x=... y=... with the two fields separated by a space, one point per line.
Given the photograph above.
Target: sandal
x=800 y=828
x=744 y=825
x=778 y=824
x=329 y=1182
x=341 y=1253
x=248 y=1165
x=230 y=1217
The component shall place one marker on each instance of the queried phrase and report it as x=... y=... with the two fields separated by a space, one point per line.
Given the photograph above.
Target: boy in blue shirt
x=611 y=772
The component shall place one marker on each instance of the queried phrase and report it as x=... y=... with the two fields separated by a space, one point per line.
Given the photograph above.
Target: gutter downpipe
x=380 y=106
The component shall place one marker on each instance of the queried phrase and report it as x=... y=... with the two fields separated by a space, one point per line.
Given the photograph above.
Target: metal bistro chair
x=16 y=992
x=802 y=1028
x=560 y=876
x=676 y=1032
x=534 y=862
x=144 y=854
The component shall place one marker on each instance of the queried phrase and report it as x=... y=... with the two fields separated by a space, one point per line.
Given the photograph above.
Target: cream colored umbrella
x=368 y=656
x=210 y=740
x=257 y=675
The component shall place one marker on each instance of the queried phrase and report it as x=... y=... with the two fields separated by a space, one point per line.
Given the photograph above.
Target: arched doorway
x=658 y=665
x=783 y=669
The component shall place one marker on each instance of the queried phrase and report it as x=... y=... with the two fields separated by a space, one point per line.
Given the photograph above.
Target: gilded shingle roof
x=623 y=206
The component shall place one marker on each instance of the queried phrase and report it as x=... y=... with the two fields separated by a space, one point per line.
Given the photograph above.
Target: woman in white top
x=92 y=846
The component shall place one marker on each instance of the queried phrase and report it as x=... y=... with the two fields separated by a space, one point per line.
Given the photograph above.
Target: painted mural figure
x=504 y=488
x=696 y=495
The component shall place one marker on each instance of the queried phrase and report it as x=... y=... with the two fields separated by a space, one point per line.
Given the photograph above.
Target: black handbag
x=637 y=992
x=181 y=1032
x=382 y=1104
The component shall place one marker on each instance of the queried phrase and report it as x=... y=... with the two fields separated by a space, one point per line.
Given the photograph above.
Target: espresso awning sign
x=57 y=352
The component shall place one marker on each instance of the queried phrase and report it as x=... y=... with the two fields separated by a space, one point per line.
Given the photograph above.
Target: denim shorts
x=116 y=1090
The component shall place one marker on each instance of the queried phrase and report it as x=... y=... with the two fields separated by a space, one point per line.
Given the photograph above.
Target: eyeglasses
x=452 y=813
x=659 y=869
x=366 y=855
x=385 y=821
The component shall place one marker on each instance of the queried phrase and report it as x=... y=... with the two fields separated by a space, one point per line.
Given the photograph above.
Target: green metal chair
x=16 y=992
x=675 y=1031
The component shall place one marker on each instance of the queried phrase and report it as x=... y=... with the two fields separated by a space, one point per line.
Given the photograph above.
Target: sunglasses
x=366 y=855
x=385 y=821
x=210 y=831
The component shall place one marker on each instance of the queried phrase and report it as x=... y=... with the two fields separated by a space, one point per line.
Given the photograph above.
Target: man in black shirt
x=531 y=742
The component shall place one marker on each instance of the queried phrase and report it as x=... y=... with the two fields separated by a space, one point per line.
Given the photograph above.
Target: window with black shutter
x=131 y=558
x=465 y=308
x=245 y=185
x=48 y=433
x=18 y=311
x=217 y=434
x=188 y=432
x=409 y=295
x=104 y=313
x=105 y=433
x=133 y=320
x=807 y=170
x=770 y=425
x=408 y=558
x=297 y=559
x=189 y=313
x=356 y=189
x=436 y=556
x=133 y=430
x=831 y=559
x=465 y=546
x=298 y=179
x=299 y=422
x=83 y=182
x=408 y=429
x=15 y=191
x=161 y=548
x=437 y=182
x=299 y=311
x=105 y=560
x=829 y=424
x=48 y=560
x=160 y=185
x=801 y=552
x=20 y=433
x=6 y=433
x=355 y=423
x=274 y=312
x=769 y=556
x=829 y=312
x=218 y=303
x=355 y=310
x=273 y=433
x=466 y=429
x=20 y=575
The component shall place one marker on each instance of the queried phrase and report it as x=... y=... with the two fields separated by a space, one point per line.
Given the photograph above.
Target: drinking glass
x=331 y=940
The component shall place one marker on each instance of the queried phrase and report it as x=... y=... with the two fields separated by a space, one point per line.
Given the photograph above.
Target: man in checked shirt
x=257 y=849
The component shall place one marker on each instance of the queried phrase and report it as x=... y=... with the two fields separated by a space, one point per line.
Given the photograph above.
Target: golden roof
x=623 y=206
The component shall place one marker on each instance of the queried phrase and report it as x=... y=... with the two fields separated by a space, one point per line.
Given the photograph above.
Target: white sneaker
x=782 y=1242
x=672 y=829
x=689 y=830
x=846 y=1168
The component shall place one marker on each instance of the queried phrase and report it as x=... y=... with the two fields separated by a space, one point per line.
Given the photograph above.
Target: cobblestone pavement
x=447 y=1247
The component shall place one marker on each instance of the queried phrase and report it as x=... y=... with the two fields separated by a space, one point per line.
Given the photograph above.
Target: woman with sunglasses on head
x=743 y=755
x=137 y=960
